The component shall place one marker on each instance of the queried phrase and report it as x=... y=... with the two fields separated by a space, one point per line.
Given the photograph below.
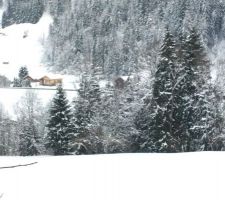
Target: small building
x=119 y=83
x=46 y=81
x=31 y=79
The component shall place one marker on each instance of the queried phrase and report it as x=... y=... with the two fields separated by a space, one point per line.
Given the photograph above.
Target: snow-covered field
x=198 y=176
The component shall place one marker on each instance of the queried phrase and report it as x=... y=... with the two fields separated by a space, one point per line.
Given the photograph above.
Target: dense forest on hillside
x=122 y=37
x=161 y=64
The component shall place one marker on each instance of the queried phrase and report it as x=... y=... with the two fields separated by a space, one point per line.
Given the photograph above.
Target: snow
x=218 y=61
x=18 y=50
x=23 y=45
x=116 y=177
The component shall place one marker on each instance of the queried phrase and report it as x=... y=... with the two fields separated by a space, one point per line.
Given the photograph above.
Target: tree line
x=181 y=114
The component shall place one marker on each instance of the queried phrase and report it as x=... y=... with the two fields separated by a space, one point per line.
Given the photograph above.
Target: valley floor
x=194 y=176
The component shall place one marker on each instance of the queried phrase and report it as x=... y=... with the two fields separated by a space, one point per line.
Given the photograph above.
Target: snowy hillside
x=23 y=45
x=115 y=177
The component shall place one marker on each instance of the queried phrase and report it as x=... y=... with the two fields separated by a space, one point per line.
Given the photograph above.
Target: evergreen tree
x=21 y=81
x=195 y=114
x=180 y=116
x=23 y=73
x=214 y=141
x=16 y=83
x=58 y=126
x=28 y=139
x=196 y=80
x=157 y=122
x=85 y=107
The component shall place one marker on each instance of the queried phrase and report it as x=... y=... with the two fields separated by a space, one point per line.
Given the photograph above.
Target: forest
x=162 y=65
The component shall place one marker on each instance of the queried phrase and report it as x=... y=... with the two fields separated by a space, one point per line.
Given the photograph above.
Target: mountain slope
x=21 y=45
x=123 y=37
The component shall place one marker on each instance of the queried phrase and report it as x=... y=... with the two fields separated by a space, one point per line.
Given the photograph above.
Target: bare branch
x=15 y=166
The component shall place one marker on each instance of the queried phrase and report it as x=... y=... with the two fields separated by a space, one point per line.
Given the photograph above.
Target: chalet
x=31 y=79
x=46 y=81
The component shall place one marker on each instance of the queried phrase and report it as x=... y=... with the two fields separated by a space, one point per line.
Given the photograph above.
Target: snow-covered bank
x=194 y=176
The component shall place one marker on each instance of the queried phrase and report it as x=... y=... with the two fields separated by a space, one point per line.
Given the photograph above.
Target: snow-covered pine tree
x=155 y=119
x=23 y=73
x=28 y=145
x=85 y=140
x=212 y=122
x=21 y=81
x=58 y=126
x=195 y=87
x=16 y=83
x=214 y=140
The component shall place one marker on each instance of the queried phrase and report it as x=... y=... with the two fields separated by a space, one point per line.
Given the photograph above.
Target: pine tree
x=58 y=126
x=157 y=122
x=16 y=83
x=214 y=140
x=85 y=107
x=195 y=88
x=23 y=73
x=28 y=139
x=180 y=115
x=21 y=81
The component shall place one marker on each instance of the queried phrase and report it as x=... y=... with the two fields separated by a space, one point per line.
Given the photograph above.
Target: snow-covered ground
x=198 y=176
x=23 y=45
